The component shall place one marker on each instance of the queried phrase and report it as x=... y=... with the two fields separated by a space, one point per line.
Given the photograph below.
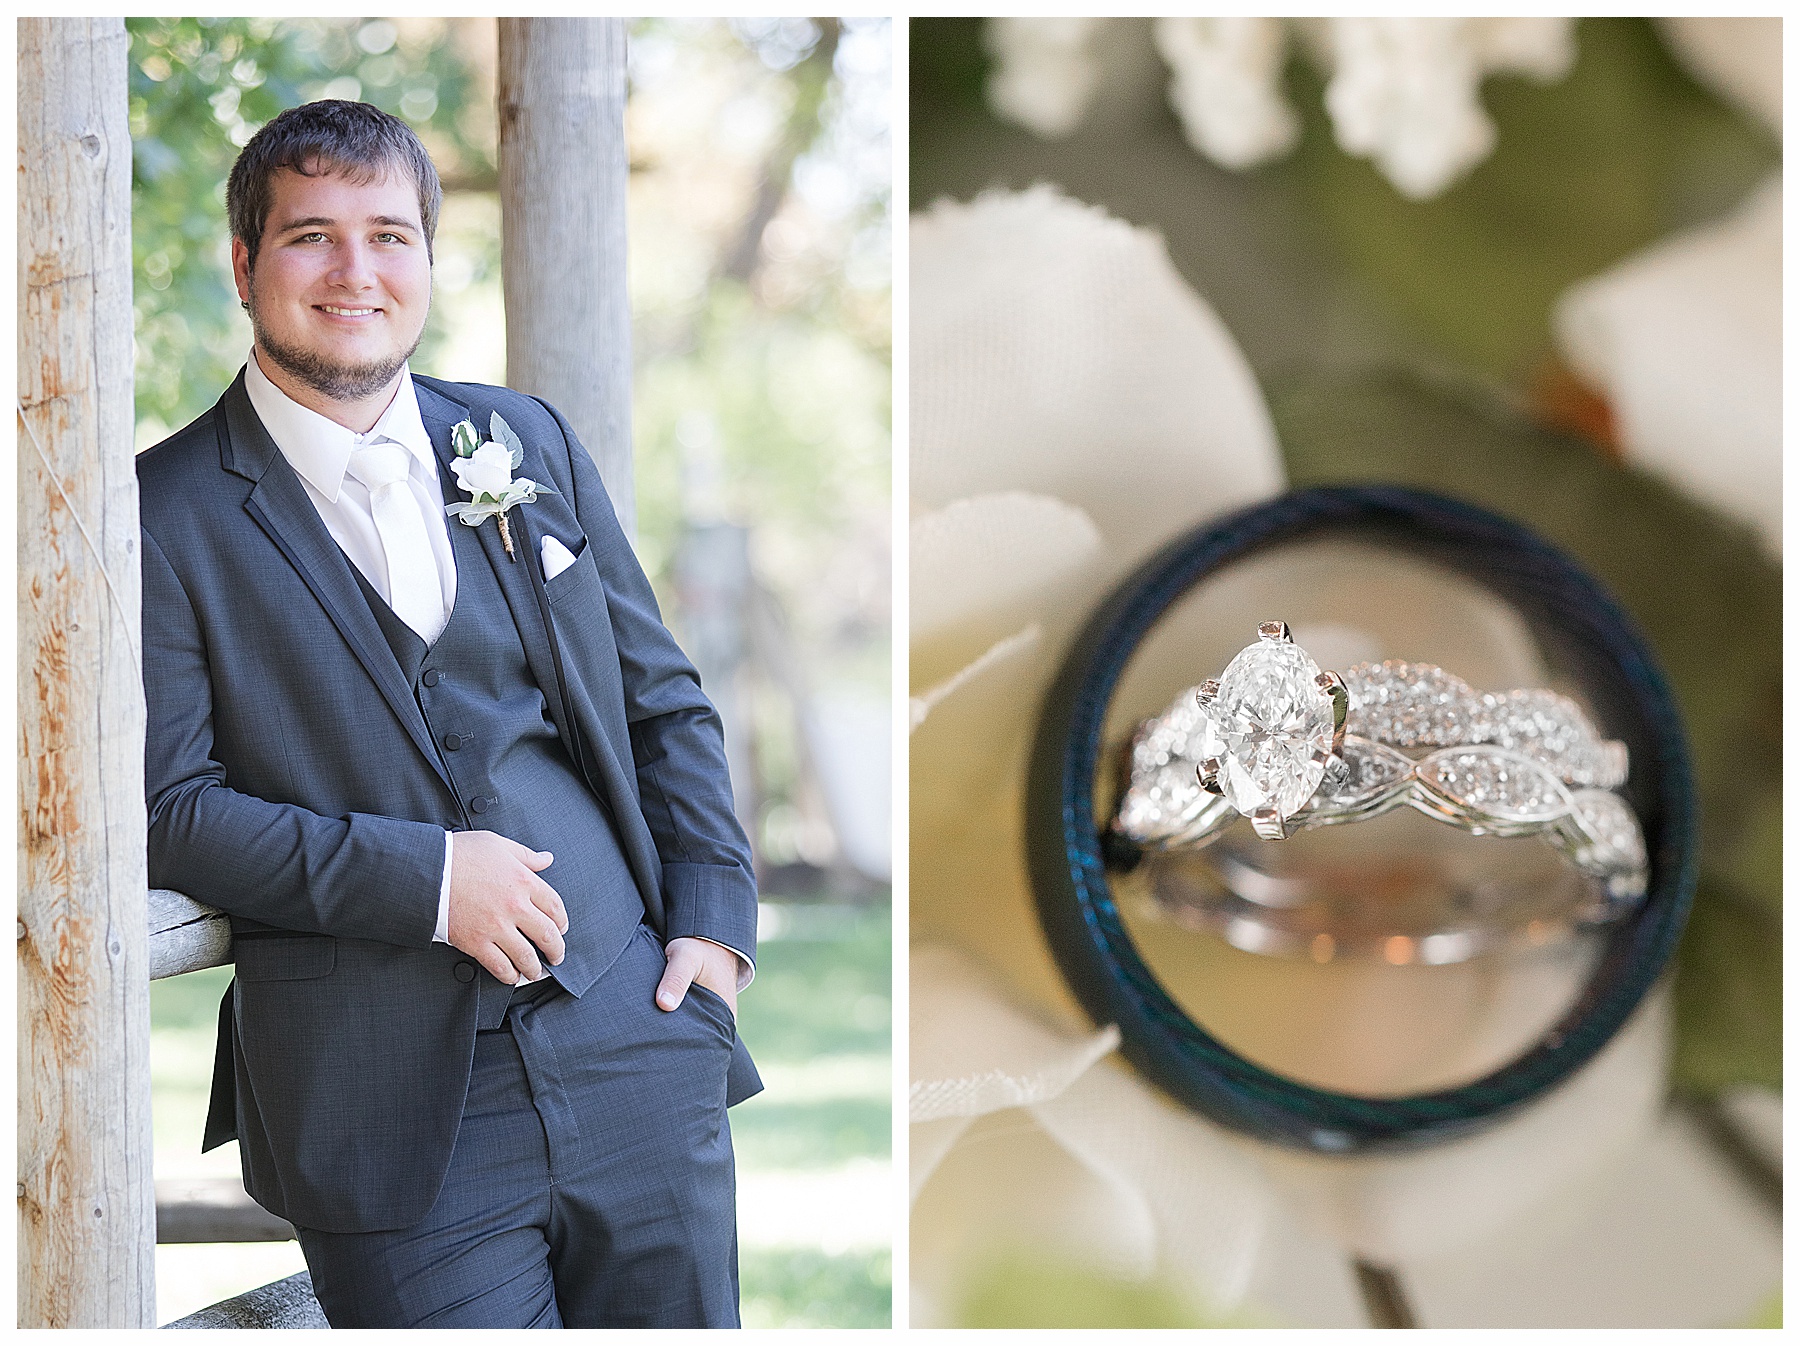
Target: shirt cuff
x=746 y=968
x=442 y=934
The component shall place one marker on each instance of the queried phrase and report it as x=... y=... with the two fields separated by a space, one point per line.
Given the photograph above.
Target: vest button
x=429 y=677
x=479 y=804
x=453 y=741
x=465 y=972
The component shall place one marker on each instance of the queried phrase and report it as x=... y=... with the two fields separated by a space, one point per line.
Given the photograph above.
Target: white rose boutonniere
x=485 y=471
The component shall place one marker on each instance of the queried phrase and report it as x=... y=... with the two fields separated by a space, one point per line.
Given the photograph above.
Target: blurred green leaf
x=1043 y=1290
x=1769 y=1316
x=1728 y=994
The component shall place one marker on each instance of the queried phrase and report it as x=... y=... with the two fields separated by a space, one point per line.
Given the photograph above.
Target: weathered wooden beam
x=86 y=1209
x=563 y=176
x=287 y=1303
x=213 y=1210
x=185 y=935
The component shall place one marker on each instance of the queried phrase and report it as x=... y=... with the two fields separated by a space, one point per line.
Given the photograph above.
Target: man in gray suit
x=458 y=789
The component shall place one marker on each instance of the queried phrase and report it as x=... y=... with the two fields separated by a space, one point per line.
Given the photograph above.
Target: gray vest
x=513 y=774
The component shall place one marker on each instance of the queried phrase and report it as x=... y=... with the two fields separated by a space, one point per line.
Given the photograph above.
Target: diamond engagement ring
x=1276 y=740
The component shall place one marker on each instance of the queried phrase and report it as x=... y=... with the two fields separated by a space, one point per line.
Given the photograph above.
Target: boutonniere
x=485 y=470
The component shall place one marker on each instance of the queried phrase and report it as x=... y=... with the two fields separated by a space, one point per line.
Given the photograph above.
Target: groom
x=459 y=792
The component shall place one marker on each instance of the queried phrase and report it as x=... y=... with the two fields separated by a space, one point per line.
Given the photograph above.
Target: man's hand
x=698 y=960
x=501 y=913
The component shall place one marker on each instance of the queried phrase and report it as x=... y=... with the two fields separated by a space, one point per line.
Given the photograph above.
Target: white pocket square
x=557 y=558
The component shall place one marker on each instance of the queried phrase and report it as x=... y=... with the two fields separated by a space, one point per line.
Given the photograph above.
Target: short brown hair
x=355 y=140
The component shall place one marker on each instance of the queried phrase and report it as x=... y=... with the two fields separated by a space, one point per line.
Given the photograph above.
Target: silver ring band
x=1292 y=748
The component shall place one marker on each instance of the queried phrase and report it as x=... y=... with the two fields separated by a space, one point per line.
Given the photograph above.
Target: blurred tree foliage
x=199 y=89
x=761 y=309
x=761 y=314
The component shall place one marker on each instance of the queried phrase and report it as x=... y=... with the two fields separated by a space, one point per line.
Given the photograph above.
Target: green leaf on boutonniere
x=503 y=433
x=464 y=438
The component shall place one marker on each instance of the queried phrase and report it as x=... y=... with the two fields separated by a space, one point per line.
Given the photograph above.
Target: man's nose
x=353 y=265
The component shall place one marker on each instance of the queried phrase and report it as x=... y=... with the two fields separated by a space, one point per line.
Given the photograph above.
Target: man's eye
x=389 y=238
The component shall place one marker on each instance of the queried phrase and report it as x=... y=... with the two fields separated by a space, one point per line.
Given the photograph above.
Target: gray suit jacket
x=292 y=782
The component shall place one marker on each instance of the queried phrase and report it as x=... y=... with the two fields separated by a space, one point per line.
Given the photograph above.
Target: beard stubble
x=338 y=381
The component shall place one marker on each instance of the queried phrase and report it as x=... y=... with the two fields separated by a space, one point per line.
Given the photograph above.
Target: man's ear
x=240 y=268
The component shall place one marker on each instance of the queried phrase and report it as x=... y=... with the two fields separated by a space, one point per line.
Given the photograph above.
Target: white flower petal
x=1405 y=92
x=1008 y=647
x=1045 y=71
x=1737 y=58
x=1227 y=87
x=1659 y=1234
x=1056 y=350
x=1011 y=1059
x=1094 y=1163
x=1685 y=341
x=987 y=565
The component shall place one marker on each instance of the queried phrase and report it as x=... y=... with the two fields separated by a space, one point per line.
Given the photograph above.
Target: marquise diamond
x=1271 y=727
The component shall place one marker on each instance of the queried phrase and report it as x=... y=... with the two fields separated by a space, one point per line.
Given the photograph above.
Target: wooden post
x=563 y=171
x=86 y=1201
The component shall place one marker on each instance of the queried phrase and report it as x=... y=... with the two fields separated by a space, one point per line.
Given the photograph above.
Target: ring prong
x=1209 y=777
x=1208 y=691
x=1340 y=707
x=1275 y=632
x=1269 y=825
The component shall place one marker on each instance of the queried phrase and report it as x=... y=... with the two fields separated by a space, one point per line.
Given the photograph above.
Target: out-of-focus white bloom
x=1057 y=351
x=1024 y=1134
x=1075 y=405
x=1738 y=59
x=1227 y=87
x=1045 y=71
x=1405 y=92
x=1685 y=341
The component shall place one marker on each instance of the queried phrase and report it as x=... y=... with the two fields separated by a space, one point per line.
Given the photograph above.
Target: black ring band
x=1579 y=624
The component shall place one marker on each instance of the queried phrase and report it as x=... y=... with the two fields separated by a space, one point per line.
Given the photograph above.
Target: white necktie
x=414 y=592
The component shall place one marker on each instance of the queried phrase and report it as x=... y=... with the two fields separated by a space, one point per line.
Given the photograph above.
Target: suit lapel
x=439 y=414
x=606 y=775
x=280 y=505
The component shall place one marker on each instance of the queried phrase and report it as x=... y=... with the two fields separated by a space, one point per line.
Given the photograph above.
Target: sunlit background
x=760 y=239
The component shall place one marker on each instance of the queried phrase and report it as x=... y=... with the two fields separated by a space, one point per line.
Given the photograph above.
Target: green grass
x=792 y=1288
x=189 y=1003
x=769 y=1134
x=824 y=984
x=818 y=1020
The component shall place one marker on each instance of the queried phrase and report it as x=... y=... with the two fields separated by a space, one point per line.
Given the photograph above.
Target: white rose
x=486 y=471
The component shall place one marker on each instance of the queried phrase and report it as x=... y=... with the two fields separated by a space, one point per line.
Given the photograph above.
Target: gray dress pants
x=592 y=1181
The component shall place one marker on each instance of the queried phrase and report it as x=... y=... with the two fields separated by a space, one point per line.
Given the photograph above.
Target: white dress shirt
x=319 y=450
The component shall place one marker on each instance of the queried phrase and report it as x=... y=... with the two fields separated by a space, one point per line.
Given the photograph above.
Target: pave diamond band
x=1413 y=705
x=1292 y=748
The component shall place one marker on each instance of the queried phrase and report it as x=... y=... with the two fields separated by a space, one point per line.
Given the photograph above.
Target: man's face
x=342 y=281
